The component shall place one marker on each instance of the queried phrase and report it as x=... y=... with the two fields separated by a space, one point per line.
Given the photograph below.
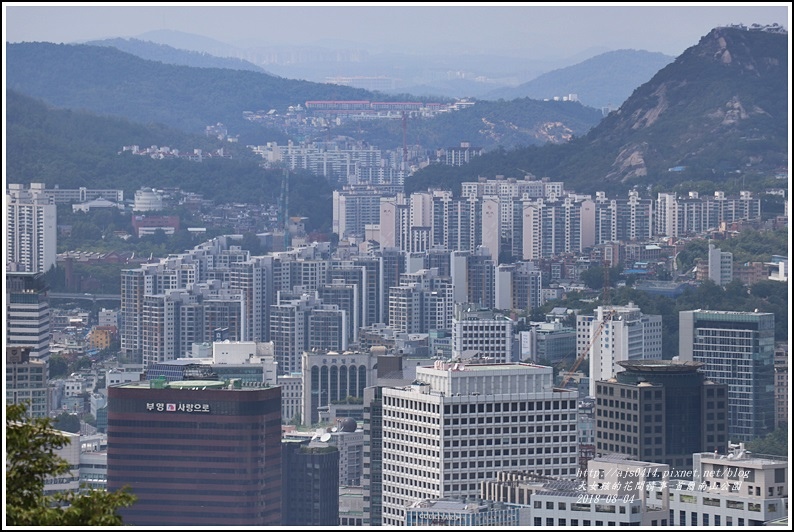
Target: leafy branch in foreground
x=30 y=460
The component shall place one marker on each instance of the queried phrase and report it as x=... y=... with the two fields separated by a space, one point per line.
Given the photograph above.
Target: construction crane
x=583 y=354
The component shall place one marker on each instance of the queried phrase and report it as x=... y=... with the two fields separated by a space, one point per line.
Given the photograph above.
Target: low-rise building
x=463 y=512
x=737 y=489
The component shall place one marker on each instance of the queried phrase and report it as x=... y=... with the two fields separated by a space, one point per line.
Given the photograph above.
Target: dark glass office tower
x=661 y=411
x=196 y=452
x=311 y=483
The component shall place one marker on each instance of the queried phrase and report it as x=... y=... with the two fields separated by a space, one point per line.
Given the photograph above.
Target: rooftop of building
x=666 y=366
x=472 y=365
x=620 y=459
x=197 y=384
x=745 y=458
x=456 y=505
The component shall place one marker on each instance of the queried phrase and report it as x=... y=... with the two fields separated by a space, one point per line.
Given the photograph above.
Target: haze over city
x=520 y=29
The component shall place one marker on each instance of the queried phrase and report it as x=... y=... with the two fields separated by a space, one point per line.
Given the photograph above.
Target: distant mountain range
x=718 y=116
x=105 y=80
x=605 y=80
x=173 y=56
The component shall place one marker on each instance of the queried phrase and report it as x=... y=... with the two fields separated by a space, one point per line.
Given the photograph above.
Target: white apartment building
x=459 y=425
x=737 y=489
x=31 y=229
x=626 y=334
x=720 y=265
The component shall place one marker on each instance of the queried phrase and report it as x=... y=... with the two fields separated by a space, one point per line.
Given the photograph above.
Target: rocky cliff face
x=722 y=104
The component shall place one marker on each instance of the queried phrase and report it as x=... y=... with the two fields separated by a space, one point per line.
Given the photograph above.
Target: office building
x=31 y=229
x=28 y=313
x=26 y=381
x=616 y=333
x=351 y=506
x=738 y=349
x=332 y=376
x=481 y=333
x=613 y=493
x=661 y=411
x=373 y=456
x=68 y=481
x=458 y=425
x=196 y=452
x=781 y=385
x=733 y=489
x=310 y=483
x=548 y=343
x=346 y=437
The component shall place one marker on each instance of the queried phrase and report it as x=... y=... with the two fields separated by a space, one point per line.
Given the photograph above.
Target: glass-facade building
x=738 y=349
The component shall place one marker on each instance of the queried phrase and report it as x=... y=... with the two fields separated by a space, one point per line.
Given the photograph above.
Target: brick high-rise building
x=196 y=452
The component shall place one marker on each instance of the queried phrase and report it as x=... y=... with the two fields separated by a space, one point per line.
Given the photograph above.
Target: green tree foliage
x=58 y=366
x=30 y=460
x=67 y=422
x=775 y=443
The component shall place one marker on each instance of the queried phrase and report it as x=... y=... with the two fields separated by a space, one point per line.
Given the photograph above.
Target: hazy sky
x=558 y=29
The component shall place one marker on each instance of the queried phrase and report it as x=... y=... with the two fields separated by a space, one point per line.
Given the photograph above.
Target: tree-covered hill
x=107 y=81
x=488 y=125
x=169 y=55
x=75 y=149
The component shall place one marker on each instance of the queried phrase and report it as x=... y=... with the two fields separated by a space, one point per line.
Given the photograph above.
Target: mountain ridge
x=720 y=108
